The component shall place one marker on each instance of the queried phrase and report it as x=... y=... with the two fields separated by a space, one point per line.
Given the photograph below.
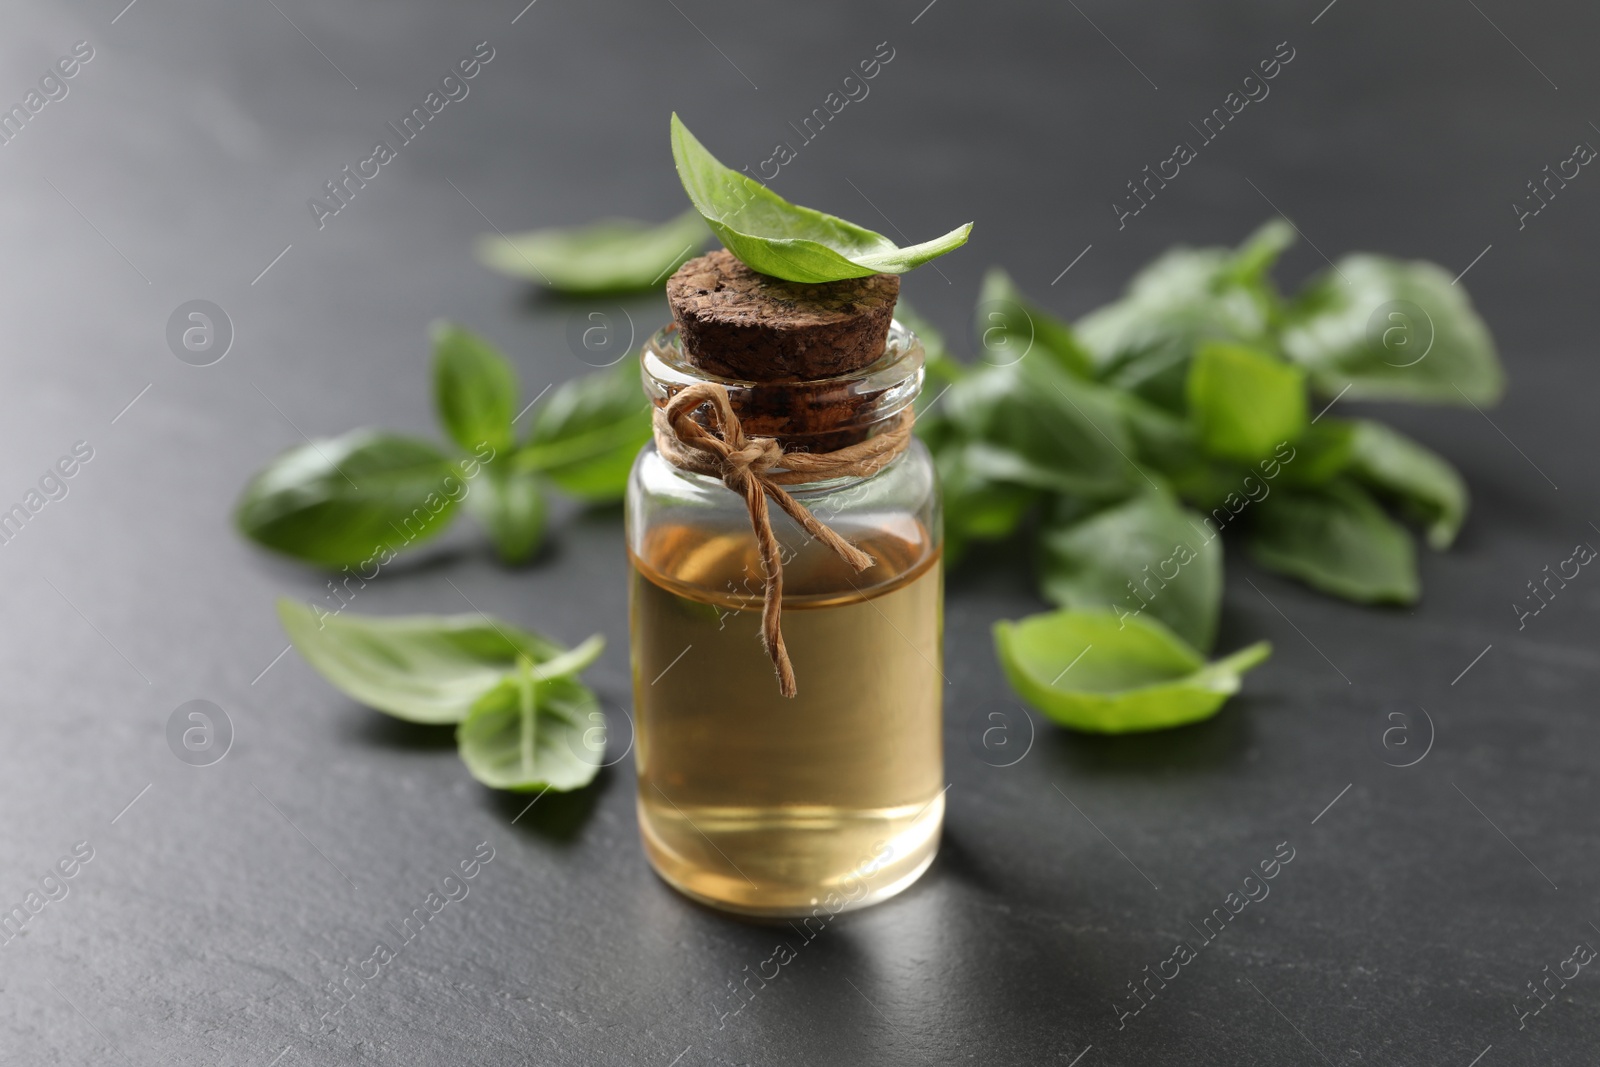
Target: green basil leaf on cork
x=784 y=240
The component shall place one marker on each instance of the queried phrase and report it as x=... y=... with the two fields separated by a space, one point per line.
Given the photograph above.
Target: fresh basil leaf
x=474 y=388
x=939 y=367
x=1244 y=402
x=608 y=256
x=1147 y=555
x=1032 y=424
x=1160 y=437
x=938 y=376
x=1336 y=539
x=1164 y=441
x=1426 y=485
x=1090 y=671
x=343 y=500
x=1393 y=330
x=1320 y=454
x=421 y=668
x=532 y=733
x=586 y=435
x=1143 y=341
x=511 y=506
x=1168 y=444
x=1260 y=251
x=935 y=428
x=775 y=237
x=932 y=338
x=976 y=508
x=1010 y=327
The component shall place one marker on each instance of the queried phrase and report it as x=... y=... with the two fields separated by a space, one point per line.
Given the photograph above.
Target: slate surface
x=220 y=904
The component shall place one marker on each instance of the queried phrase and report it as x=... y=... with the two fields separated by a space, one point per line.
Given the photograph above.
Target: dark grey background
x=207 y=923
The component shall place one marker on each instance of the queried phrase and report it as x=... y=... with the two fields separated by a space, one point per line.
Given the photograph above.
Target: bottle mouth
x=814 y=415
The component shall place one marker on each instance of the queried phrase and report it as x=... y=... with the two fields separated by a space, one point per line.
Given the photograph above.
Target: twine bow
x=757 y=468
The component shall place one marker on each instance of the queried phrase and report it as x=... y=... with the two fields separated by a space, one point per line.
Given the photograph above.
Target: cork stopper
x=739 y=324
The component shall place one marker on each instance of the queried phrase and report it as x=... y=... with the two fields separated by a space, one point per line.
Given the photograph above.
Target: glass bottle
x=750 y=801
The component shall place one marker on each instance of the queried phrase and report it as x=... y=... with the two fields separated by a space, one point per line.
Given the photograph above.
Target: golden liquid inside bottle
x=782 y=807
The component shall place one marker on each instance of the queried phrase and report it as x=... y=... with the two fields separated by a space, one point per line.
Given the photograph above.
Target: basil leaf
x=1320 y=454
x=1393 y=330
x=939 y=368
x=608 y=256
x=1244 y=402
x=1146 y=556
x=511 y=506
x=1089 y=671
x=344 y=500
x=1260 y=251
x=976 y=508
x=1336 y=539
x=1143 y=341
x=775 y=237
x=1168 y=443
x=586 y=435
x=1427 y=487
x=1031 y=424
x=1160 y=437
x=933 y=346
x=421 y=668
x=938 y=376
x=474 y=388
x=1010 y=327
x=530 y=733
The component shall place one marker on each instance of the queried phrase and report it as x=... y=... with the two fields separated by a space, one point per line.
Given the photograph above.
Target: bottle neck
x=820 y=415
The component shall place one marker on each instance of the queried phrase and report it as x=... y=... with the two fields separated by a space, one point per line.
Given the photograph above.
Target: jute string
x=757 y=468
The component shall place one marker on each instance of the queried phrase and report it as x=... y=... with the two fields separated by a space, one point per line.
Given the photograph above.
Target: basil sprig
x=523 y=720
x=359 y=499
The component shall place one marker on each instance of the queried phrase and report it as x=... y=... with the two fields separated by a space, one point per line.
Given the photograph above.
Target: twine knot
x=757 y=456
x=757 y=468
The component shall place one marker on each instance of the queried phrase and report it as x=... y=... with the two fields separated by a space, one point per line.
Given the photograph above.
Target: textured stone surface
x=212 y=915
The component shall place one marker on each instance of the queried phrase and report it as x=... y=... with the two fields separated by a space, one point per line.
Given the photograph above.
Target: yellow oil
x=782 y=807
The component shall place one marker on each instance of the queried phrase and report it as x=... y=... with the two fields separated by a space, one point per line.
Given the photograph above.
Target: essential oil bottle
x=751 y=800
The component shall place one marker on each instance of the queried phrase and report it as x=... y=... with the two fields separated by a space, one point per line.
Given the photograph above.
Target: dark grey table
x=221 y=902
